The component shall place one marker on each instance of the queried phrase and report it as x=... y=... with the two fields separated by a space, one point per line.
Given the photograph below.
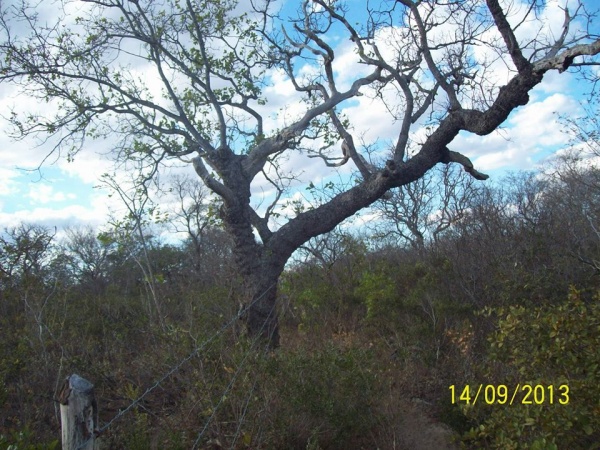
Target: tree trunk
x=258 y=266
x=262 y=319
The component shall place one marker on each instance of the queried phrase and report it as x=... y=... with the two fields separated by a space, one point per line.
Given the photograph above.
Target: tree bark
x=262 y=318
x=254 y=263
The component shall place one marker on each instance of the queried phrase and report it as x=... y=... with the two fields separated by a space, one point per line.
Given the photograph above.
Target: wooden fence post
x=78 y=414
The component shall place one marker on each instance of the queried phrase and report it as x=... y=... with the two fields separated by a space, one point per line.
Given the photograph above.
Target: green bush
x=546 y=346
x=379 y=293
x=323 y=397
x=388 y=291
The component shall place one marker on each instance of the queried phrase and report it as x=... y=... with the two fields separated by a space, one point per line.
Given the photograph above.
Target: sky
x=55 y=192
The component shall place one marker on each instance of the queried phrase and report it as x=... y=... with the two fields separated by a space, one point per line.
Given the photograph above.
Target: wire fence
x=233 y=378
x=198 y=349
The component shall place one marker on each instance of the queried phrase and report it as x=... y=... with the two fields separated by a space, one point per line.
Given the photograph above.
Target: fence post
x=78 y=414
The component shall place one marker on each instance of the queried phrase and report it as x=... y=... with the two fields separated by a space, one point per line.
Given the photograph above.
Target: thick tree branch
x=348 y=148
x=211 y=182
x=259 y=154
x=324 y=218
x=461 y=159
x=565 y=59
x=426 y=50
x=261 y=224
x=509 y=37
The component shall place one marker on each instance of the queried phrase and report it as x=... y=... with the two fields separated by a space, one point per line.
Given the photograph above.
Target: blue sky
x=65 y=193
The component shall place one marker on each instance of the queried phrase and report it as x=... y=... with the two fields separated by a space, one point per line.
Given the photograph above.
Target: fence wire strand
x=234 y=378
x=191 y=355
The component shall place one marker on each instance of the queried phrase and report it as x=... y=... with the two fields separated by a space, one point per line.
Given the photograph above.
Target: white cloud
x=53 y=216
x=9 y=184
x=371 y=120
x=528 y=131
x=44 y=193
x=281 y=86
x=87 y=165
x=346 y=65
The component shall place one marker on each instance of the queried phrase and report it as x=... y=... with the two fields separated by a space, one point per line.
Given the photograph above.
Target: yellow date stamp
x=501 y=394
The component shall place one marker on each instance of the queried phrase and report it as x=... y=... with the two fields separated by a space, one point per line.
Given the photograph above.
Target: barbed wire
x=192 y=354
x=233 y=378
x=241 y=419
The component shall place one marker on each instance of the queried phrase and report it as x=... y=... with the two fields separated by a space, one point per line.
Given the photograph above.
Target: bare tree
x=423 y=210
x=191 y=214
x=89 y=257
x=140 y=213
x=422 y=60
x=26 y=269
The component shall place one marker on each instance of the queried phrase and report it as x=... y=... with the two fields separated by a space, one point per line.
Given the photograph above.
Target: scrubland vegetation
x=374 y=331
x=277 y=323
